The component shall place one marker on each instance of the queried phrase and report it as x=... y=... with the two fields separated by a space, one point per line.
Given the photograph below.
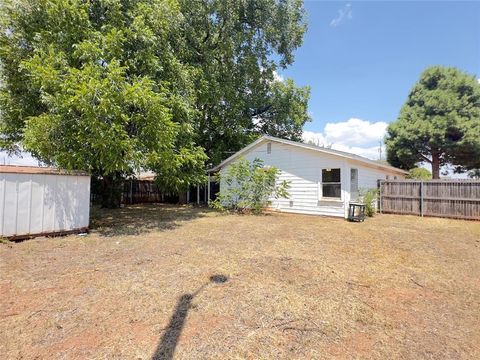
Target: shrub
x=248 y=186
x=419 y=173
x=368 y=197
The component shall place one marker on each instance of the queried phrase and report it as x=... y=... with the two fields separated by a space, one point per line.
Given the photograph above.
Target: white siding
x=368 y=177
x=43 y=203
x=303 y=169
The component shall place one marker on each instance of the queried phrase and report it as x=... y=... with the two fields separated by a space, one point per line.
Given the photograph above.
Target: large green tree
x=97 y=86
x=237 y=46
x=112 y=86
x=439 y=123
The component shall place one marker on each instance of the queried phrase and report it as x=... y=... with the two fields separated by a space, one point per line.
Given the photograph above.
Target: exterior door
x=353 y=184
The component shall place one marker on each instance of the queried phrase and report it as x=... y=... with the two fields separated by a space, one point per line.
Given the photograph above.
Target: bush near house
x=248 y=186
x=368 y=197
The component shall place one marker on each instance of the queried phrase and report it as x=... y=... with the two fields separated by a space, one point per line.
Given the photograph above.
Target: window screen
x=331 y=183
x=269 y=148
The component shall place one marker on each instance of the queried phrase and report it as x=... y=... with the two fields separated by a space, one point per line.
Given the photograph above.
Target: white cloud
x=344 y=13
x=352 y=132
x=355 y=136
x=371 y=152
x=314 y=137
x=355 y=132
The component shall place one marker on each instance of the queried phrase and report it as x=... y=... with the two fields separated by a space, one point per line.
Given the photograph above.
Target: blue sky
x=362 y=58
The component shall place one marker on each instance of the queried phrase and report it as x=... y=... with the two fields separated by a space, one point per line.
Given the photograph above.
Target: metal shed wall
x=42 y=203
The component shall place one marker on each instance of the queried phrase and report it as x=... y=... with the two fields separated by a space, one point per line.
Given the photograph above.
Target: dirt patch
x=160 y=281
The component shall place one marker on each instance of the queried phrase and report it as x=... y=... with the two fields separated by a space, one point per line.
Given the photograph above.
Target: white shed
x=41 y=201
x=322 y=181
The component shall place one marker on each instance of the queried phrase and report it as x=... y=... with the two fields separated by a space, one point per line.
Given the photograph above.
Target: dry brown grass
x=298 y=287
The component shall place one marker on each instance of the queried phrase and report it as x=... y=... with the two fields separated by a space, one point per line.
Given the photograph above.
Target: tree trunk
x=435 y=165
x=182 y=197
x=111 y=191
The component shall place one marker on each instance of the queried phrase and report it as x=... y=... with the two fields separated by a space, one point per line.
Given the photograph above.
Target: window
x=331 y=183
x=269 y=148
x=353 y=184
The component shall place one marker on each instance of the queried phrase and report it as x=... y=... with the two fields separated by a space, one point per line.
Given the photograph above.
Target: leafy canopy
x=439 y=123
x=236 y=48
x=112 y=86
x=96 y=85
x=249 y=186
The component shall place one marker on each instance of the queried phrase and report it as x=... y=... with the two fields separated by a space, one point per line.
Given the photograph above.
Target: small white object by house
x=42 y=201
x=322 y=181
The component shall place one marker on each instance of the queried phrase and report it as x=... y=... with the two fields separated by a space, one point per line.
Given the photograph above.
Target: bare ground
x=163 y=281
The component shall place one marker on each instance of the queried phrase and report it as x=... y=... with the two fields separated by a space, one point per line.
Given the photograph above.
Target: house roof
x=17 y=169
x=145 y=175
x=339 y=153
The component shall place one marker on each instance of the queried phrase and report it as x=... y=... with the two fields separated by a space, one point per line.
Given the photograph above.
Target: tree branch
x=425 y=158
x=261 y=110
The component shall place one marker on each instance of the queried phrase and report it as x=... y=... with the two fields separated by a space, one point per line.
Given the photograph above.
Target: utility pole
x=380 y=150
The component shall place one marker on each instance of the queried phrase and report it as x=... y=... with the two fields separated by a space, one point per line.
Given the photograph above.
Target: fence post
x=379 y=185
x=421 y=198
x=208 y=189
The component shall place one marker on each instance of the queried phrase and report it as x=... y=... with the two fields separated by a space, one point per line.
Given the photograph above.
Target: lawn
x=159 y=281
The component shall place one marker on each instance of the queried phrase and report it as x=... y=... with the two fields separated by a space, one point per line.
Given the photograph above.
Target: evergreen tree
x=439 y=124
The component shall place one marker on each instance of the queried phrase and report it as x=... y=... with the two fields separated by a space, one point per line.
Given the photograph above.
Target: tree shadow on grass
x=168 y=343
x=142 y=218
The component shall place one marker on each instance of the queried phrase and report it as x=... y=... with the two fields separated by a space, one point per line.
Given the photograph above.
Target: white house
x=322 y=181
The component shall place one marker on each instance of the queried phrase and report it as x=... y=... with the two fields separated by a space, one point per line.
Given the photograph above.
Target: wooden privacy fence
x=442 y=198
x=147 y=191
x=141 y=191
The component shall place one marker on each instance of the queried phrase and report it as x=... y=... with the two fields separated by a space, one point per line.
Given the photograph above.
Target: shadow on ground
x=168 y=343
x=142 y=218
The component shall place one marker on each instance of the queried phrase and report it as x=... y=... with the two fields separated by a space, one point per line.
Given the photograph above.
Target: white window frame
x=321 y=183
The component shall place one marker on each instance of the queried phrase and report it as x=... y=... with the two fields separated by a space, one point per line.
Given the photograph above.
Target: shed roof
x=15 y=169
x=343 y=154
